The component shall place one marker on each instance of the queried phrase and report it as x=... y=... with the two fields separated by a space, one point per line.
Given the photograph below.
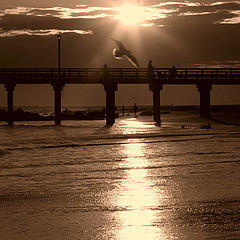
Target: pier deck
x=156 y=78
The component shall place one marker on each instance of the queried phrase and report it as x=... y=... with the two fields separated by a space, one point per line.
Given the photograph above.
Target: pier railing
x=120 y=75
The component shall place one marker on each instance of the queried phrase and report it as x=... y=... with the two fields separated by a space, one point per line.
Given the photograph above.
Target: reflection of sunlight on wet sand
x=131 y=126
x=138 y=197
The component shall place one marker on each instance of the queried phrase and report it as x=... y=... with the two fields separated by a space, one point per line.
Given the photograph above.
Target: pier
x=156 y=78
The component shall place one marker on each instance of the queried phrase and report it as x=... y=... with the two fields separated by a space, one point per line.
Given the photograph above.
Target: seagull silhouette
x=122 y=51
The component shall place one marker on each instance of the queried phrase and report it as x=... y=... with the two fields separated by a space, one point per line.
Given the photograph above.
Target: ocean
x=134 y=180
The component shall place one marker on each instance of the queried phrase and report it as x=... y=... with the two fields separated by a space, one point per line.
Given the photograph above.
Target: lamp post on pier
x=58 y=86
x=59 y=49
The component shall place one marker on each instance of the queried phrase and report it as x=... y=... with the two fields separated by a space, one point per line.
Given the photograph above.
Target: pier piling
x=110 y=107
x=10 y=88
x=156 y=107
x=155 y=85
x=57 y=87
x=110 y=86
x=205 y=108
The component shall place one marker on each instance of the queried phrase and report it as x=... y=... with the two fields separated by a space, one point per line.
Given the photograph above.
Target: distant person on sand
x=135 y=109
x=123 y=110
x=104 y=111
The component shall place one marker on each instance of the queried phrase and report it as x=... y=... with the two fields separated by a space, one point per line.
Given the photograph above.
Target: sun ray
x=130 y=14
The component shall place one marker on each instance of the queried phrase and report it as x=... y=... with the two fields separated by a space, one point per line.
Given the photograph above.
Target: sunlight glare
x=130 y=14
x=137 y=196
x=132 y=125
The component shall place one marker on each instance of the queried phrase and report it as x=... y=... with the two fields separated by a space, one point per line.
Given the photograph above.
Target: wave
x=19 y=175
x=163 y=137
x=165 y=166
x=42 y=165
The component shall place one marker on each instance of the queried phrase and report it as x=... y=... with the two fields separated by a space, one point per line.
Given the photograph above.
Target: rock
x=146 y=113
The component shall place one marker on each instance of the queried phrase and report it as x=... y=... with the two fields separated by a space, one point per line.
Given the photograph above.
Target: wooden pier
x=203 y=78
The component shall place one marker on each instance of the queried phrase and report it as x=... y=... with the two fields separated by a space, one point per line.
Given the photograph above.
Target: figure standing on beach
x=104 y=111
x=135 y=109
x=123 y=110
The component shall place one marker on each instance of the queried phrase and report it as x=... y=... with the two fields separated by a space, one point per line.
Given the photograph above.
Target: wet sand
x=135 y=180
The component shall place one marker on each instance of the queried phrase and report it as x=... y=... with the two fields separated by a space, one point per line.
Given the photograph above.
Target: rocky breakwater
x=21 y=115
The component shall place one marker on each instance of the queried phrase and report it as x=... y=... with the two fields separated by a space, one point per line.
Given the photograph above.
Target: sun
x=130 y=14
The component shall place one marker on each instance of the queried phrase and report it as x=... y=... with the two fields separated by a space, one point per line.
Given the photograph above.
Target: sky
x=180 y=33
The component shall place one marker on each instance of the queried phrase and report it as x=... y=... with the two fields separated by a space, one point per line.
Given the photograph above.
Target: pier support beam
x=57 y=87
x=10 y=88
x=156 y=107
x=110 y=87
x=110 y=106
x=205 y=108
x=155 y=85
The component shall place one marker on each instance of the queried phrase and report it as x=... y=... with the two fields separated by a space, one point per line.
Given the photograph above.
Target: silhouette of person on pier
x=173 y=72
x=135 y=108
x=150 y=66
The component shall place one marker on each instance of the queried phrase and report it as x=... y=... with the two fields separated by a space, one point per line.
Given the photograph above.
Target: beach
x=134 y=180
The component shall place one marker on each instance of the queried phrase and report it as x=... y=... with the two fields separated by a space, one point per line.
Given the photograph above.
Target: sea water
x=134 y=180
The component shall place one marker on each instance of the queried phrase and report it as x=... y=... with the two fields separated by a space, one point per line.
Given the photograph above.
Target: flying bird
x=122 y=51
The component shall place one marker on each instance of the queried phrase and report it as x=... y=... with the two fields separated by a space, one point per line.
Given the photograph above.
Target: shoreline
x=220 y=114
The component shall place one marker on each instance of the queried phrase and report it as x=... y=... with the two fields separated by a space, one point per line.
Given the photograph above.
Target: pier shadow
x=232 y=122
x=228 y=115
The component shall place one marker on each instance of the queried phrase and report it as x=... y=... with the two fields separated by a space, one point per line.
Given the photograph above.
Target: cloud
x=219 y=64
x=179 y=33
x=17 y=11
x=229 y=12
x=154 y=15
x=150 y=12
x=173 y=4
x=189 y=13
x=80 y=11
x=221 y=12
x=235 y=19
x=41 y=32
